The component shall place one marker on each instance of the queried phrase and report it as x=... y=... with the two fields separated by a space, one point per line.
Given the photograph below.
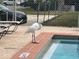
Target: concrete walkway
x=33 y=18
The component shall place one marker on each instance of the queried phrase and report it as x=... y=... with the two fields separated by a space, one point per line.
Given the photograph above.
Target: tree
x=30 y=0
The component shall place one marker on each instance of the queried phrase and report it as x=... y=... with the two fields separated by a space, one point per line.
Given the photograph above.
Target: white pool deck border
x=51 y=50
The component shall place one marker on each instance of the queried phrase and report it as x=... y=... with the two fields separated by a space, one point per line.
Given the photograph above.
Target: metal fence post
x=6 y=16
x=48 y=8
x=55 y=6
x=38 y=12
x=44 y=11
x=15 y=9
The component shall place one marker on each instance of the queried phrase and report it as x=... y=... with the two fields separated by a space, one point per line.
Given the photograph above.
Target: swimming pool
x=63 y=48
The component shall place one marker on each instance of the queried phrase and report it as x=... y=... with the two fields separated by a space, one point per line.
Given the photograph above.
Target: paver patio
x=12 y=43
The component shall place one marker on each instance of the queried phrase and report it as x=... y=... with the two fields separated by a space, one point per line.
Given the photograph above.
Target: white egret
x=32 y=29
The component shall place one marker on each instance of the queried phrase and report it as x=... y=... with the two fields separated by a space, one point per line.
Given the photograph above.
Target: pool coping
x=34 y=49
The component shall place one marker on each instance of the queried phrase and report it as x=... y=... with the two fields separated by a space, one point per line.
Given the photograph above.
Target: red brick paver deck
x=32 y=48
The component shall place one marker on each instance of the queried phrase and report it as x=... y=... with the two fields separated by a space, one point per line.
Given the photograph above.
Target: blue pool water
x=60 y=47
x=66 y=50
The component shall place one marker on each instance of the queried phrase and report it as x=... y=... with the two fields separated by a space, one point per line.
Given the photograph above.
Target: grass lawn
x=67 y=19
x=27 y=10
x=31 y=11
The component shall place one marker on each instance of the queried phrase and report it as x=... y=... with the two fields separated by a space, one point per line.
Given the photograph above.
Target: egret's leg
x=33 y=37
